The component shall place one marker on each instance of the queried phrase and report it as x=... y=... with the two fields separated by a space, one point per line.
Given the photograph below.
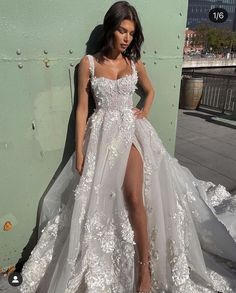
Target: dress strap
x=133 y=66
x=91 y=64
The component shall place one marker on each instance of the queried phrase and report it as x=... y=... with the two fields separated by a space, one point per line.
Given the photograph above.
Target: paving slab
x=206 y=144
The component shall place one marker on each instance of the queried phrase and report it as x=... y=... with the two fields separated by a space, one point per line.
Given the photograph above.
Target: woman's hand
x=80 y=162
x=140 y=113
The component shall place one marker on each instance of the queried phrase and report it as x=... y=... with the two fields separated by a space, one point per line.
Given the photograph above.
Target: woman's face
x=123 y=36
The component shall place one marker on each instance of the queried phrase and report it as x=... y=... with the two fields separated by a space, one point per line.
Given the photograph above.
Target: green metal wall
x=41 y=43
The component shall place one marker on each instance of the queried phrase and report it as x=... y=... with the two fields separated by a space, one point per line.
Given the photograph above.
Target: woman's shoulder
x=84 y=64
x=139 y=65
x=138 y=62
x=87 y=60
x=84 y=60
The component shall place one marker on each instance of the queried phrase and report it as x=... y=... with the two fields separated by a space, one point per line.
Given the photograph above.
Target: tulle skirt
x=86 y=242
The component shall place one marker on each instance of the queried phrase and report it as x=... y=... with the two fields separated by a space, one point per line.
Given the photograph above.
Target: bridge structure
x=202 y=62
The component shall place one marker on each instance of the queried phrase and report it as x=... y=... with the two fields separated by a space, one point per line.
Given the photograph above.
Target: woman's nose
x=126 y=38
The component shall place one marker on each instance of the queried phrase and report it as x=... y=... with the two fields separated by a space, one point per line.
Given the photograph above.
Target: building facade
x=198 y=13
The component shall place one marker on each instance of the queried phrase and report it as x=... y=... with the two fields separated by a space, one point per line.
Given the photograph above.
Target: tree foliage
x=220 y=40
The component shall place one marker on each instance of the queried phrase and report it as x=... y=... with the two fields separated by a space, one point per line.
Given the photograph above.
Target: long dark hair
x=118 y=12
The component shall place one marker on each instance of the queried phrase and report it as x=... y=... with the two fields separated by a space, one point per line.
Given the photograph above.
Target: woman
x=138 y=221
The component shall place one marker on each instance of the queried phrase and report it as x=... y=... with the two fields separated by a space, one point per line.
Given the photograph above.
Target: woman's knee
x=134 y=199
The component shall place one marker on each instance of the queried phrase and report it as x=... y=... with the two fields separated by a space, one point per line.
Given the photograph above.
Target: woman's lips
x=124 y=46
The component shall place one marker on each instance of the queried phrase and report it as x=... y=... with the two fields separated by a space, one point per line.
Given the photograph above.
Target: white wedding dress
x=86 y=242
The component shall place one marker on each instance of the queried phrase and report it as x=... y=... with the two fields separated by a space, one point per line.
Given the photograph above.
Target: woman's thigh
x=133 y=180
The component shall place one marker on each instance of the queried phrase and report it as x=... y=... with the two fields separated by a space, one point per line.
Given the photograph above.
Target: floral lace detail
x=178 y=254
x=113 y=94
x=219 y=197
x=40 y=257
x=111 y=258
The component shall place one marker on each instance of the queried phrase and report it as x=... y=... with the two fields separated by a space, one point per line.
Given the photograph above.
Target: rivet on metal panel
x=18 y=51
x=20 y=65
x=177 y=47
x=155 y=62
x=46 y=61
x=144 y=63
x=155 y=51
x=176 y=66
x=33 y=125
x=180 y=14
x=173 y=105
x=144 y=52
x=45 y=51
x=71 y=51
x=71 y=64
x=171 y=122
x=179 y=36
x=174 y=85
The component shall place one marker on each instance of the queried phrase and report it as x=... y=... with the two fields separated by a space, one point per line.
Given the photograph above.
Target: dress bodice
x=113 y=94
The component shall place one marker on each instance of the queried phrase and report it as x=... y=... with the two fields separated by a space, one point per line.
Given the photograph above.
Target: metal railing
x=219 y=91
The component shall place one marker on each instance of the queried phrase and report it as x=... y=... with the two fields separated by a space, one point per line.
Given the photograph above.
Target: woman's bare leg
x=132 y=187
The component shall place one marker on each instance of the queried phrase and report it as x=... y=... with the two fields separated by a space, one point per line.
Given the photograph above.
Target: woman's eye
x=123 y=32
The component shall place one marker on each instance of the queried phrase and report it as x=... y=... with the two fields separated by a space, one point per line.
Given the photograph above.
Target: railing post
x=234 y=110
x=225 y=96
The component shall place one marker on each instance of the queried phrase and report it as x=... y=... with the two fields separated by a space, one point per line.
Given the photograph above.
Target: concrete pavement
x=206 y=144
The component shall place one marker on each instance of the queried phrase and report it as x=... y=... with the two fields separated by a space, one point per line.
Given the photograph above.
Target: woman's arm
x=147 y=87
x=82 y=107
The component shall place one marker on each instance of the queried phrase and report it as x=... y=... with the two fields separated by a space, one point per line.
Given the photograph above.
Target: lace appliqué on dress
x=109 y=254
